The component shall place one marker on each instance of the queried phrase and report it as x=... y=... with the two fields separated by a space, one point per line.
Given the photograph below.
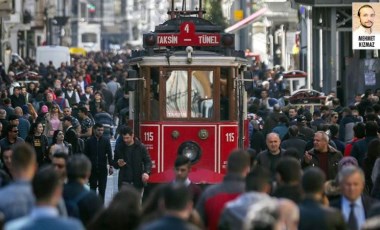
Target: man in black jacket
x=98 y=150
x=17 y=98
x=270 y=157
x=313 y=215
x=71 y=135
x=133 y=160
x=323 y=156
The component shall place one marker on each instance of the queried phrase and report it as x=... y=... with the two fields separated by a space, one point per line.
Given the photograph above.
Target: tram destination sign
x=188 y=37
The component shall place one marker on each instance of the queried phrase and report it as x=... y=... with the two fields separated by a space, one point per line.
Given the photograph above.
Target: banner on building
x=365 y=26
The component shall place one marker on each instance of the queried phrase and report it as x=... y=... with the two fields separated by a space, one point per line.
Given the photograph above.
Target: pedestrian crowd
x=303 y=169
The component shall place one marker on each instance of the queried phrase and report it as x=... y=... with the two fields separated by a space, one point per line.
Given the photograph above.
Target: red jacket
x=213 y=199
x=347 y=149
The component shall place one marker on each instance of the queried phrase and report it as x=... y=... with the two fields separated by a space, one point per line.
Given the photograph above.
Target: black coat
x=368 y=202
x=71 y=137
x=296 y=143
x=17 y=101
x=99 y=152
x=141 y=163
x=89 y=206
x=268 y=160
x=334 y=156
x=314 y=216
x=44 y=147
x=291 y=192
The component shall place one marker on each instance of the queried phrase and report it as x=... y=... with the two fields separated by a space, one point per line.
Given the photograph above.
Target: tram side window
x=154 y=98
x=224 y=96
x=177 y=94
x=202 y=103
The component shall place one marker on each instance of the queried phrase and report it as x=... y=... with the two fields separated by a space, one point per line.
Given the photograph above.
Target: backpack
x=72 y=204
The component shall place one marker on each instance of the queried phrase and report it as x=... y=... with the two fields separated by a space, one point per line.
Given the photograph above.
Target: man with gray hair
x=270 y=157
x=353 y=204
x=323 y=156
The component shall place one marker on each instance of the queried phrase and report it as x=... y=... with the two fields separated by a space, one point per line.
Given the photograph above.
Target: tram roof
x=180 y=58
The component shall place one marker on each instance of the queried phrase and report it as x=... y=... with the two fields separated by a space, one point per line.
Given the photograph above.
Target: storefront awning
x=246 y=21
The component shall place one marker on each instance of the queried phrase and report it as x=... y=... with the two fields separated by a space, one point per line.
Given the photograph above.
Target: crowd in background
x=304 y=169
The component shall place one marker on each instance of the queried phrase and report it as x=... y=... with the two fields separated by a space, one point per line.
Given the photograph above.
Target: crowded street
x=193 y=114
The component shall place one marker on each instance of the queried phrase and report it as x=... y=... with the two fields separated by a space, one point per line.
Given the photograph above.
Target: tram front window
x=202 y=104
x=177 y=94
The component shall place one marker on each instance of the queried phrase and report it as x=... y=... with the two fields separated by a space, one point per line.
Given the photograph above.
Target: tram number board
x=188 y=37
x=196 y=40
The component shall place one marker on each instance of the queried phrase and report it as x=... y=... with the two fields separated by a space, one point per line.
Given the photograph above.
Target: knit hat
x=44 y=109
x=347 y=161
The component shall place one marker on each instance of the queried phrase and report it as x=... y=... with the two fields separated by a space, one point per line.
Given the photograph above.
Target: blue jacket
x=23 y=128
x=44 y=218
x=346 y=132
x=16 y=200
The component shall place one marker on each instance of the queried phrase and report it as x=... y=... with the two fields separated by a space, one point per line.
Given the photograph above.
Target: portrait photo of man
x=365 y=26
x=366 y=15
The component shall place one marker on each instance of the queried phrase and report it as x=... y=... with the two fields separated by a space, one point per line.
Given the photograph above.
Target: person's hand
x=307 y=157
x=121 y=162
x=110 y=170
x=325 y=201
x=145 y=177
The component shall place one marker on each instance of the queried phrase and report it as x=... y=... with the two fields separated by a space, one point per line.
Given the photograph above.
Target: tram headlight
x=149 y=40
x=190 y=150
x=228 y=40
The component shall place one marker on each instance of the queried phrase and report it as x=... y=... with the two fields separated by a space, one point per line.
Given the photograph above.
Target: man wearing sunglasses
x=11 y=138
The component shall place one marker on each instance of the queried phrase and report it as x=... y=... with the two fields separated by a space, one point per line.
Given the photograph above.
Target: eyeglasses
x=15 y=131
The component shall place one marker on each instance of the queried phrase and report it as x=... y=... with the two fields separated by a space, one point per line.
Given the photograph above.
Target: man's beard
x=367 y=27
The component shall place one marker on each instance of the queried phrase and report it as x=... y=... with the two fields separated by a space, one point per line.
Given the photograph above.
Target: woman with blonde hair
x=53 y=121
x=32 y=112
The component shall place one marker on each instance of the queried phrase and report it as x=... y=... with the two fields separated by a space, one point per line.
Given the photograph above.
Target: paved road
x=111 y=188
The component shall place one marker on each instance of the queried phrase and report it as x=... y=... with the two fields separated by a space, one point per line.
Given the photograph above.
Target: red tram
x=187 y=96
